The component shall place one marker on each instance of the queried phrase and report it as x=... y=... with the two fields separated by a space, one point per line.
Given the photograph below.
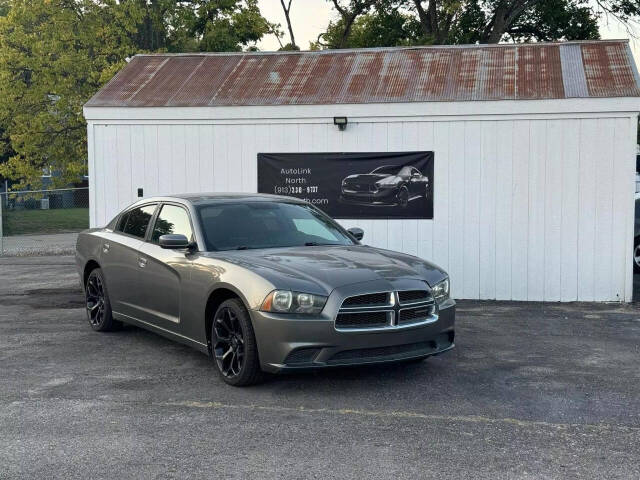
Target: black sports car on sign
x=388 y=185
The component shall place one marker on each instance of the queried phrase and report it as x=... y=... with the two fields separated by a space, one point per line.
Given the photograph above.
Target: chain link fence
x=42 y=222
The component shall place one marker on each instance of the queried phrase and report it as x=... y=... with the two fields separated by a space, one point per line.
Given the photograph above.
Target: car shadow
x=389 y=373
x=400 y=371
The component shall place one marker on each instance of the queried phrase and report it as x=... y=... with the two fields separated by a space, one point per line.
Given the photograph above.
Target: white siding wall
x=526 y=209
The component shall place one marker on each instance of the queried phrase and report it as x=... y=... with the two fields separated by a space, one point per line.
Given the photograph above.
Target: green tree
x=215 y=26
x=55 y=54
x=4 y=8
x=422 y=22
x=384 y=27
x=5 y=145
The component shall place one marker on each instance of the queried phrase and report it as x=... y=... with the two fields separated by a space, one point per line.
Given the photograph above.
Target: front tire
x=234 y=346
x=97 y=303
x=636 y=255
x=403 y=197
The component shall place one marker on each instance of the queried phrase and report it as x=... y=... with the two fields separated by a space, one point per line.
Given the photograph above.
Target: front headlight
x=285 y=301
x=440 y=290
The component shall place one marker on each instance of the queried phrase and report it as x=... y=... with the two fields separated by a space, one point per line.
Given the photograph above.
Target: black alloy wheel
x=233 y=344
x=229 y=346
x=97 y=302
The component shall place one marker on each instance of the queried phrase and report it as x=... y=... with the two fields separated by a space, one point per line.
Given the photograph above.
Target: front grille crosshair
x=369 y=300
x=362 y=319
x=383 y=310
x=413 y=296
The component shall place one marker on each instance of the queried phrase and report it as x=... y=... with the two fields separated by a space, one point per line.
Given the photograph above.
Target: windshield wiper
x=316 y=244
x=242 y=247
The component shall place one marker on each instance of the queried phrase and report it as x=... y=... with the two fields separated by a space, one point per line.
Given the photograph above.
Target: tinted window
x=138 y=220
x=122 y=221
x=232 y=226
x=388 y=169
x=174 y=220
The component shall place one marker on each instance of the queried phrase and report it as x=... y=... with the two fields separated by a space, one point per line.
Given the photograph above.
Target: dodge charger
x=263 y=284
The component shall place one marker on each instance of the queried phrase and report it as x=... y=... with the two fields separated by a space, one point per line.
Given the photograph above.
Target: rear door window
x=122 y=222
x=137 y=221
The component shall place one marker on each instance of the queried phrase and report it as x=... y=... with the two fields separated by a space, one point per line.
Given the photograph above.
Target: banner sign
x=353 y=185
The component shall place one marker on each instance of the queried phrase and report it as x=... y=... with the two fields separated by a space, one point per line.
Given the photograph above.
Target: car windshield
x=388 y=169
x=263 y=224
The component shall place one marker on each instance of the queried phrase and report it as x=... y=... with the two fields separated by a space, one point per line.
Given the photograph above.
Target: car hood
x=320 y=269
x=365 y=178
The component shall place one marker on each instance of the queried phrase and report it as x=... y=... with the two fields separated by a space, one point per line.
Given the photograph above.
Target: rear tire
x=636 y=255
x=233 y=345
x=97 y=303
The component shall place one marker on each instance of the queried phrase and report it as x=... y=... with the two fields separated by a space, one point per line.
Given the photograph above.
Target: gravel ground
x=532 y=391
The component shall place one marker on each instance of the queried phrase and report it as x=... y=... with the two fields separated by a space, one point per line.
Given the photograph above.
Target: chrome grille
x=415 y=314
x=413 y=296
x=370 y=299
x=382 y=310
x=362 y=319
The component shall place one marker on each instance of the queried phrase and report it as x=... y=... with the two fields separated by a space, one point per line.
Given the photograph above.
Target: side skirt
x=202 y=347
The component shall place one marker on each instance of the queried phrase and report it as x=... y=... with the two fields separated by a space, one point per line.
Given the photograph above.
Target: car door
x=164 y=271
x=119 y=258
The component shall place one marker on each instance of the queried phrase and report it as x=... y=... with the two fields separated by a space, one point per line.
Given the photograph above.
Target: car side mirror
x=356 y=232
x=174 y=241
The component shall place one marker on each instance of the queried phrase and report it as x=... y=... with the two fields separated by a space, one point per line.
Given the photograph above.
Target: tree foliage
x=55 y=54
x=383 y=27
x=365 y=23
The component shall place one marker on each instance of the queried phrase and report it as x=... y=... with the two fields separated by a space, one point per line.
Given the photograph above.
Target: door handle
x=105 y=247
x=142 y=262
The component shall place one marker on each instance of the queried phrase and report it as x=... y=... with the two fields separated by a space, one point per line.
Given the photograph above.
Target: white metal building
x=534 y=148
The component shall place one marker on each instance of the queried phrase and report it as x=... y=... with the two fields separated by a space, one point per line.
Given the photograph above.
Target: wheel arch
x=90 y=266
x=216 y=297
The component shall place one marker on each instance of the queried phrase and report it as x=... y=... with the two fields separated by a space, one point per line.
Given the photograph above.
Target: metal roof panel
x=406 y=74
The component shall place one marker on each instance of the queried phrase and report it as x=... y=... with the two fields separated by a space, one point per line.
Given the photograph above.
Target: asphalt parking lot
x=531 y=391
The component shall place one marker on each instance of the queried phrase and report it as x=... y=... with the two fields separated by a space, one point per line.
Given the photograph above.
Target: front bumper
x=289 y=343
x=383 y=196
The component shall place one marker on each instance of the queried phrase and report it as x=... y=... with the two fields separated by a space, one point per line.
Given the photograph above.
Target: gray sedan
x=262 y=284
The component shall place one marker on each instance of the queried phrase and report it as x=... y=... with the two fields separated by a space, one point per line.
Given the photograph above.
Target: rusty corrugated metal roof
x=591 y=69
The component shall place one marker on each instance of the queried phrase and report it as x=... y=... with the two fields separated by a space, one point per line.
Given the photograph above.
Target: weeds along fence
x=41 y=222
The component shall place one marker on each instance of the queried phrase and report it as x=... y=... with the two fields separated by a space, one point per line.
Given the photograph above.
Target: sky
x=310 y=18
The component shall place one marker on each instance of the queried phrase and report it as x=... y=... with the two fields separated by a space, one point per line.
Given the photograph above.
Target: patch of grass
x=57 y=220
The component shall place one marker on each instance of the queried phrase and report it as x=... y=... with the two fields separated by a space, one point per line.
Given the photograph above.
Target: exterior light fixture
x=341 y=122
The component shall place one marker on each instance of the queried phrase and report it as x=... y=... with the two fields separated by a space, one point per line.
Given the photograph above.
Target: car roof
x=227 y=197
